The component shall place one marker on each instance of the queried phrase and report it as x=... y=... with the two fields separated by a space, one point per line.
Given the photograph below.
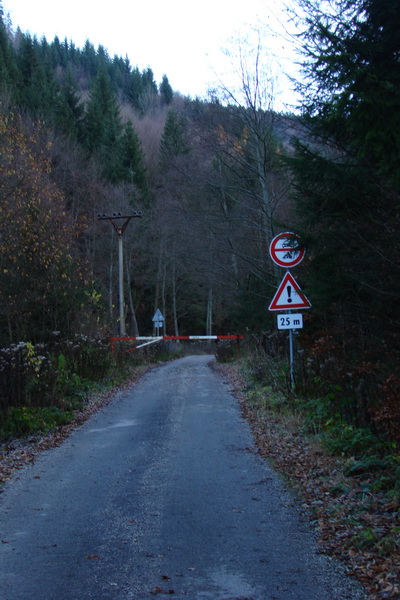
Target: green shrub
x=40 y=384
x=341 y=438
x=266 y=398
x=25 y=421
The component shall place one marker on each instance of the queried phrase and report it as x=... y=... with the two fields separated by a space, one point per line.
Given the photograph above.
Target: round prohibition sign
x=286 y=250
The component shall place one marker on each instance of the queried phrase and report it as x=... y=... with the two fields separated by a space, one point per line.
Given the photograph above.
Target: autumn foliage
x=43 y=280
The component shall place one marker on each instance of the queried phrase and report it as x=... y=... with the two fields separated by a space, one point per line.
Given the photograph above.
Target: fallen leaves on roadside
x=354 y=523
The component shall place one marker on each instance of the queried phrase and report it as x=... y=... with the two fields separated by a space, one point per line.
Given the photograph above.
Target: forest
x=84 y=134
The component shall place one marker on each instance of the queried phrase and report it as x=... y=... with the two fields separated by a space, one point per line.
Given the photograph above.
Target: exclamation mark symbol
x=289 y=293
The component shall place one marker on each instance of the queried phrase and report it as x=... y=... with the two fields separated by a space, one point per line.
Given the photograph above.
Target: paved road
x=161 y=492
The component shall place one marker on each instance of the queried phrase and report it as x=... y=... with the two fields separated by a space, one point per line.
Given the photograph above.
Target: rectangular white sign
x=290 y=321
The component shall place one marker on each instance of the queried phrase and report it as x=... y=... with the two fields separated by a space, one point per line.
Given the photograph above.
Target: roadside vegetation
x=44 y=386
x=346 y=474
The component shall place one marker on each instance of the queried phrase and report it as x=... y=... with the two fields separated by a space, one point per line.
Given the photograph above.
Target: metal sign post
x=120 y=223
x=291 y=357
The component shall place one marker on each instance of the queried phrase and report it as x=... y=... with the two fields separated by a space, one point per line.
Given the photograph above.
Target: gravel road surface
x=160 y=494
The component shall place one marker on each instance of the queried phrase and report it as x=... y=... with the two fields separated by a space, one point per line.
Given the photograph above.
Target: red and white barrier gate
x=153 y=339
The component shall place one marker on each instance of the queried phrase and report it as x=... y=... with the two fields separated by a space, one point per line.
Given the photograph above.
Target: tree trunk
x=163 y=300
x=134 y=326
x=174 y=309
x=209 y=321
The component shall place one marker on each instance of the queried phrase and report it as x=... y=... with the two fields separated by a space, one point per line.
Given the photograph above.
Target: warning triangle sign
x=289 y=295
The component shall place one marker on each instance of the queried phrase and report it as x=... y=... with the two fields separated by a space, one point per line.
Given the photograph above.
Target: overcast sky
x=181 y=39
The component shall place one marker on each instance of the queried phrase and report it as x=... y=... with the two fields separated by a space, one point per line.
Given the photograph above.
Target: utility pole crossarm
x=118 y=217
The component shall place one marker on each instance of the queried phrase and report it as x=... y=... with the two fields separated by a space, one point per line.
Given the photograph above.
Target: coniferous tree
x=56 y=53
x=166 y=91
x=27 y=66
x=69 y=109
x=37 y=87
x=134 y=88
x=349 y=175
x=149 y=91
x=347 y=184
x=352 y=56
x=132 y=159
x=148 y=80
x=174 y=140
x=7 y=59
x=109 y=153
x=88 y=59
x=102 y=127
